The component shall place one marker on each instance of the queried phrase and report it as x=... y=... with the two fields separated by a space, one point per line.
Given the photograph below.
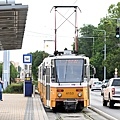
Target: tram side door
x=48 y=86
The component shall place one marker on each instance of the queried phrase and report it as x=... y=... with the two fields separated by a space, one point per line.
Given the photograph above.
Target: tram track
x=86 y=114
x=73 y=116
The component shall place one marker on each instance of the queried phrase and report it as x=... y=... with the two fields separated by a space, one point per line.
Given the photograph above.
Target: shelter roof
x=12 y=25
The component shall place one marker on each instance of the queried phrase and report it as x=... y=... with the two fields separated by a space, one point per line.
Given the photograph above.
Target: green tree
x=37 y=58
x=107 y=23
x=91 y=44
x=13 y=72
x=86 y=42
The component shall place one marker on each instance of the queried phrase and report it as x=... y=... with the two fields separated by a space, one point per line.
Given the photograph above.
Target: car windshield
x=70 y=70
x=98 y=83
x=116 y=82
x=105 y=81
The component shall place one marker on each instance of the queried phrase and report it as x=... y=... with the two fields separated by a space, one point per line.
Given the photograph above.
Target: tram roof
x=72 y=56
x=12 y=25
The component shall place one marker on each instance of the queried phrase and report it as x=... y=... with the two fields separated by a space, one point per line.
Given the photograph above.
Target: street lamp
x=104 y=51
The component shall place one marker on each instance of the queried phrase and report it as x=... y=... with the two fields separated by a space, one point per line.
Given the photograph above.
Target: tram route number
x=69 y=93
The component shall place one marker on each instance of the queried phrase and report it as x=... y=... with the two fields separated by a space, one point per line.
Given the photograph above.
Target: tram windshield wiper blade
x=66 y=70
x=58 y=80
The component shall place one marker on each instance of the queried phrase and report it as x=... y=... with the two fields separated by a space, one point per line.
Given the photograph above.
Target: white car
x=111 y=94
x=92 y=80
x=104 y=83
x=96 y=85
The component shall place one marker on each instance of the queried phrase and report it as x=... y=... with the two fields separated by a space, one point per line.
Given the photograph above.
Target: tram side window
x=85 y=73
x=48 y=75
x=43 y=73
x=47 y=71
x=53 y=72
x=40 y=73
x=85 y=69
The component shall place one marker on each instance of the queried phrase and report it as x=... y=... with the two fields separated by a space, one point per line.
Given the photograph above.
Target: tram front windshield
x=70 y=70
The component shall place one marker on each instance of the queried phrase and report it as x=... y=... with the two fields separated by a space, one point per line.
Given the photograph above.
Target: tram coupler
x=70 y=104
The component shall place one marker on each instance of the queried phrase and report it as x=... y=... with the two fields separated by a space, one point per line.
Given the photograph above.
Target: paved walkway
x=18 y=107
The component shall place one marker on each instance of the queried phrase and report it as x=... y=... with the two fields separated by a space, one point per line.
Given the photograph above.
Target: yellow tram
x=63 y=81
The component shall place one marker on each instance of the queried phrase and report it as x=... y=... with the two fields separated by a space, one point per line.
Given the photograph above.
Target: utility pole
x=104 y=54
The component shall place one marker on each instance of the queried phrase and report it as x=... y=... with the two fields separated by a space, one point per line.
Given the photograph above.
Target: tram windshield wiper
x=58 y=80
x=66 y=70
x=82 y=75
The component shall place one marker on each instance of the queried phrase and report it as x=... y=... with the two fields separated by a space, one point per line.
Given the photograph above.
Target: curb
x=43 y=110
x=45 y=114
x=102 y=113
x=45 y=117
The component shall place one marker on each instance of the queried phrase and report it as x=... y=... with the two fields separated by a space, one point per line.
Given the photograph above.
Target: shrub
x=14 y=88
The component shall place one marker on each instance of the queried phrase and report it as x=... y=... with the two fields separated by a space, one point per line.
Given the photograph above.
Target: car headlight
x=79 y=94
x=59 y=94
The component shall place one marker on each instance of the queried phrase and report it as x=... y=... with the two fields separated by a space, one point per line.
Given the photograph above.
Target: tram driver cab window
x=53 y=74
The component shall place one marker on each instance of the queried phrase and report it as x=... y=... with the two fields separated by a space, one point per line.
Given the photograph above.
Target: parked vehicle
x=96 y=85
x=92 y=80
x=104 y=83
x=111 y=93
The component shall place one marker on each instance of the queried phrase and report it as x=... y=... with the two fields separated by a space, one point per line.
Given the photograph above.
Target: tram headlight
x=59 y=94
x=79 y=94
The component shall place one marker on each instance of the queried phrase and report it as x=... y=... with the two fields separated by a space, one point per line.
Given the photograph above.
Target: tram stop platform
x=18 y=107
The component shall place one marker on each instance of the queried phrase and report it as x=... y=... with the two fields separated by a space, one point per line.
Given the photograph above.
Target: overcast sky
x=40 y=23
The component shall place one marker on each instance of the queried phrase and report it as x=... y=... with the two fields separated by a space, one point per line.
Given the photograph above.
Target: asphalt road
x=96 y=101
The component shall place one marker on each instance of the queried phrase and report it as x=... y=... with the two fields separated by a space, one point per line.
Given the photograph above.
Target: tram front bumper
x=70 y=104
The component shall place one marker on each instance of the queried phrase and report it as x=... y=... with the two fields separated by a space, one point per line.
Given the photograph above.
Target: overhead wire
x=67 y=11
x=45 y=34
